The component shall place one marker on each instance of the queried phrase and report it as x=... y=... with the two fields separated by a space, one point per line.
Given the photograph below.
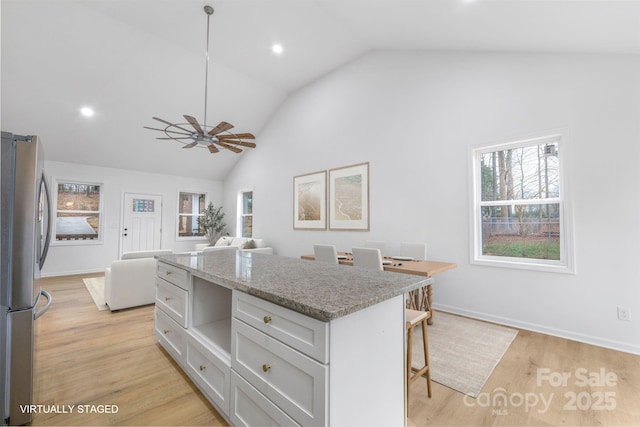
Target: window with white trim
x=519 y=212
x=78 y=212
x=245 y=220
x=191 y=206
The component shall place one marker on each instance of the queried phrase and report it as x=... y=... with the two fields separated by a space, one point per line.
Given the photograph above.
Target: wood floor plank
x=90 y=357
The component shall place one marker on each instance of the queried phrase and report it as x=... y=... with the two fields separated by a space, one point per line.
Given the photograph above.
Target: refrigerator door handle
x=40 y=312
x=47 y=241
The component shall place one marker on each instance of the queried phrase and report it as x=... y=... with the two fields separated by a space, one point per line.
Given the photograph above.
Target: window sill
x=79 y=242
x=518 y=264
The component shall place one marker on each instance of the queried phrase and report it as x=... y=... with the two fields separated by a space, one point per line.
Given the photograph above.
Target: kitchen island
x=273 y=340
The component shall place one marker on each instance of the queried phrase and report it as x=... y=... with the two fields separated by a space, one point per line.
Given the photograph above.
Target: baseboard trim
x=560 y=333
x=72 y=273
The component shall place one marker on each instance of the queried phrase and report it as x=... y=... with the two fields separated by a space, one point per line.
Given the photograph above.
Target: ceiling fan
x=202 y=135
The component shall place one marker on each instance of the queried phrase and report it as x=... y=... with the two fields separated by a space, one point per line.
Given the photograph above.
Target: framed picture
x=349 y=198
x=310 y=201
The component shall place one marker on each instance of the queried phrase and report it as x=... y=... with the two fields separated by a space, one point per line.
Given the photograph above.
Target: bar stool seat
x=413 y=319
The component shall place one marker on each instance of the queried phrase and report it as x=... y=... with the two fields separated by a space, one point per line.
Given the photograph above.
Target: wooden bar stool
x=413 y=319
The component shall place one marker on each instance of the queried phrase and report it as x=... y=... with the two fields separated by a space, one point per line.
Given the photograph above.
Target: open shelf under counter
x=217 y=336
x=211 y=314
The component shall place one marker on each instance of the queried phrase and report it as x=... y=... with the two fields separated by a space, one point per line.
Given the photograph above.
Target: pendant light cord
x=209 y=11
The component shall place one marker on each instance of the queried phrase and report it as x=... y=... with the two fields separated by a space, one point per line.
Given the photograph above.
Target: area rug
x=463 y=352
x=95 y=286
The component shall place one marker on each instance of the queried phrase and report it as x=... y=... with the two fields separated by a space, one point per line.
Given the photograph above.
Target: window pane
x=78 y=197
x=191 y=203
x=188 y=226
x=521 y=173
x=247 y=203
x=523 y=231
x=77 y=211
x=77 y=226
x=247 y=226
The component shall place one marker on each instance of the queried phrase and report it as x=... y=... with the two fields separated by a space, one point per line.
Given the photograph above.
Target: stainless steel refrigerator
x=25 y=219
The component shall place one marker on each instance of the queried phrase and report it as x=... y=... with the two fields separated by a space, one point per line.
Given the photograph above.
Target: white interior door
x=141 y=223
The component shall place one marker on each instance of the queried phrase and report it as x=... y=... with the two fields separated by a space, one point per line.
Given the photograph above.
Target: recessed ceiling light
x=277 y=49
x=86 y=111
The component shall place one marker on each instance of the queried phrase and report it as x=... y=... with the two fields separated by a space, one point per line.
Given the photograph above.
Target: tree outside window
x=519 y=206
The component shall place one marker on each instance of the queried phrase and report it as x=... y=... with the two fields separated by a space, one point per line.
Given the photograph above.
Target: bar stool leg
x=409 y=361
x=426 y=355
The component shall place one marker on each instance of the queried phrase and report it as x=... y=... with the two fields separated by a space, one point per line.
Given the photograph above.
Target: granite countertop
x=319 y=290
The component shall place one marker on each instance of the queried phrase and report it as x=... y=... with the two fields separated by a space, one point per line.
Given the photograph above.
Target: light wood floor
x=88 y=357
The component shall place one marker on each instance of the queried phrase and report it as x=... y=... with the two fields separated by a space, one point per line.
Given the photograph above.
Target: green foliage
x=211 y=222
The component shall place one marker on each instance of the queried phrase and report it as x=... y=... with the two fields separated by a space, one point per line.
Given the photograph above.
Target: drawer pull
x=202 y=368
x=166 y=331
x=266 y=367
x=168 y=273
x=167 y=298
x=267 y=319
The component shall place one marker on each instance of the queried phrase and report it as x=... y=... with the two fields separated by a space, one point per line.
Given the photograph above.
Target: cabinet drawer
x=294 y=382
x=171 y=335
x=250 y=408
x=210 y=372
x=301 y=332
x=172 y=300
x=175 y=275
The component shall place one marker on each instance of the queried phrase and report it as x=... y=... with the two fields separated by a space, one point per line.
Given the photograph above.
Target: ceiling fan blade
x=237 y=136
x=171 y=124
x=241 y=143
x=229 y=147
x=222 y=126
x=191 y=145
x=167 y=130
x=212 y=148
x=194 y=123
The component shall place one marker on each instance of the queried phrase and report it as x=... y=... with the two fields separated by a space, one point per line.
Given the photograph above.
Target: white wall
x=414 y=117
x=77 y=259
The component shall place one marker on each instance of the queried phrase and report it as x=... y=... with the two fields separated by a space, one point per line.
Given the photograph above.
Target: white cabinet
x=291 y=380
x=175 y=275
x=171 y=310
x=172 y=300
x=172 y=336
x=261 y=364
x=249 y=407
x=303 y=333
x=193 y=323
x=349 y=371
x=211 y=372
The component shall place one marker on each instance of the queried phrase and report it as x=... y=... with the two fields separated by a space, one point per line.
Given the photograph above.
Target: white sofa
x=131 y=280
x=234 y=243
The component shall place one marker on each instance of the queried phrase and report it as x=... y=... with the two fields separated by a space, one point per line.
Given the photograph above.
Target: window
x=190 y=207
x=78 y=212
x=519 y=209
x=246 y=215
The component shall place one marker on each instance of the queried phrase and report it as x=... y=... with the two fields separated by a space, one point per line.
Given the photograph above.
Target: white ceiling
x=134 y=59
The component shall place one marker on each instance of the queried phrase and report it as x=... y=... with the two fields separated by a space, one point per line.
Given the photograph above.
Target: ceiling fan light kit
x=193 y=134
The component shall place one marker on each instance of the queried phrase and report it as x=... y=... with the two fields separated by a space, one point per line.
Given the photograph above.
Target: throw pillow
x=224 y=241
x=249 y=244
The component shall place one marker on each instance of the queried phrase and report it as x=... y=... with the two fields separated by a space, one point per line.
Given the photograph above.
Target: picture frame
x=310 y=201
x=349 y=197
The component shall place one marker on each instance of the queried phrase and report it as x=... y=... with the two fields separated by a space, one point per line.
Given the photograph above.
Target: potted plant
x=211 y=223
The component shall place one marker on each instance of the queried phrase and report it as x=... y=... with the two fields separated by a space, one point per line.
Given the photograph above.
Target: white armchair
x=131 y=280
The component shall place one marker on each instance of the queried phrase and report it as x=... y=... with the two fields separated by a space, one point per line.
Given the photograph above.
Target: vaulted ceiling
x=131 y=60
